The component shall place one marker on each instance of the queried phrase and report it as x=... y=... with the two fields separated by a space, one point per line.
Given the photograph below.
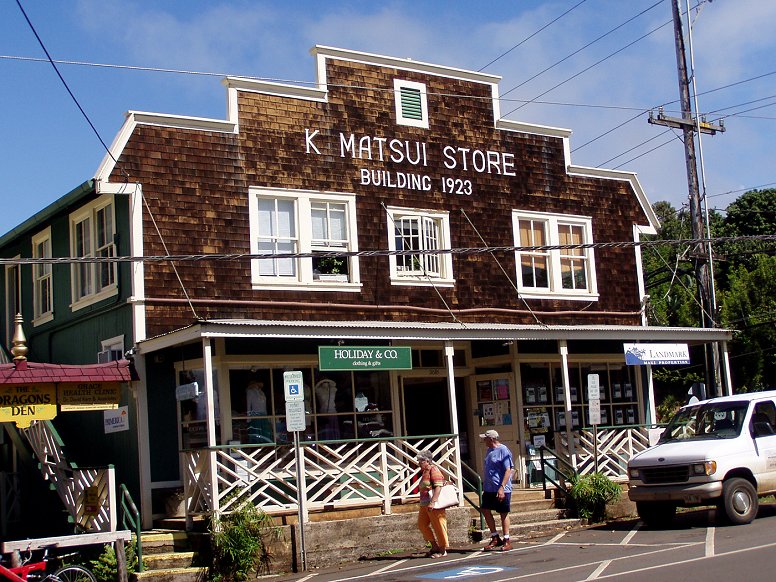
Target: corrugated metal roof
x=414 y=331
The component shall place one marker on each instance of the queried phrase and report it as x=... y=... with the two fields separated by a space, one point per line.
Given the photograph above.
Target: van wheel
x=656 y=513
x=739 y=500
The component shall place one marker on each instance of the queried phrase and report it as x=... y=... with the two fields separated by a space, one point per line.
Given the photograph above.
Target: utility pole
x=689 y=126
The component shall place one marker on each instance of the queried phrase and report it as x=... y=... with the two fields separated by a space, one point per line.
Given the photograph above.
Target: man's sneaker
x=505 y=545
x=494 y=543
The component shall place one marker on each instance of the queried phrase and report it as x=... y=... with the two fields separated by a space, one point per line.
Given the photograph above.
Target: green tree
x=749 y=305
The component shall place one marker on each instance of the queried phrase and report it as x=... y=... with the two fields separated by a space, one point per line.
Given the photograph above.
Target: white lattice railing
x=614 y=448
x=89 y=494
x=337 y=474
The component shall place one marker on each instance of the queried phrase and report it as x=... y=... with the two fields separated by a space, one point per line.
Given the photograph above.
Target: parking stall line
x=626 y=540
x=688 y=561
x=710 y=541
x=597 y=572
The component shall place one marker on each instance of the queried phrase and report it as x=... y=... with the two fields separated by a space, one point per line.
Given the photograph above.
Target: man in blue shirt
x=497 y=486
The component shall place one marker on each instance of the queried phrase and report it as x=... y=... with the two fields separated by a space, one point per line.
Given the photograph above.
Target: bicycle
x=37 y=571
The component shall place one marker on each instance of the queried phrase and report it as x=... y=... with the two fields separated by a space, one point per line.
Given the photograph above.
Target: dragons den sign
x=23 y=403
x=364 y=358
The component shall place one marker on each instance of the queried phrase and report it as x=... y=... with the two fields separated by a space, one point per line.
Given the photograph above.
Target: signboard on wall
x=89 y=396
x=23 y=403
x=364 y=358
x=656 y=354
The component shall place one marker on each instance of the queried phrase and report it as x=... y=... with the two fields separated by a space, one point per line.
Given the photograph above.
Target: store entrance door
x=425 y=406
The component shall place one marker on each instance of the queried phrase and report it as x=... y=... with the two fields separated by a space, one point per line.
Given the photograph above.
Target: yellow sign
x=89 y=396
x=91 y=497
x=23 y=403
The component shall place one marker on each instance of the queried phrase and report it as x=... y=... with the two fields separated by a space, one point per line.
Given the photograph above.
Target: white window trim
x=114 y=343
x=445 y=259
x=556 y=290
x=304 y=279
x=10 y=318
x=398 y=84
x=44 y=316
x=76 y=217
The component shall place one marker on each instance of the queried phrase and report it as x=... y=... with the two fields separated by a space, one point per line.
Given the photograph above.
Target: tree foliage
x=745 y=283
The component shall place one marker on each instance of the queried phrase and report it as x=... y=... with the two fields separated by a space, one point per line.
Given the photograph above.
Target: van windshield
x=721 y=420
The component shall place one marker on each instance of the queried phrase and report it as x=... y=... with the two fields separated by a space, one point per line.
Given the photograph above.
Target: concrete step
x=170 y=575
x=169 y=560
x=160 y=542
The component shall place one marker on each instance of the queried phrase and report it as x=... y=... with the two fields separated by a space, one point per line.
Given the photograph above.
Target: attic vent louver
x=411 y=103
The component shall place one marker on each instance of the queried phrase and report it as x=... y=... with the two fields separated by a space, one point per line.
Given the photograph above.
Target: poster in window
x=618 y=416
x=616 y=391
x=559 y=396
x=530 y=394
x=484 y=390
x=573 y=392
x=631 y=416
x=542 y=393
x=488 y=414
x=502 y=389
x=628 y=391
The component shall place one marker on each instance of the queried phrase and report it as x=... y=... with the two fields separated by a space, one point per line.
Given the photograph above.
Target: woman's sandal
x=441 y=554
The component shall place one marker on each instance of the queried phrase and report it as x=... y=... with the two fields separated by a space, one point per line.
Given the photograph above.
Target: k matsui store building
x=393 y=258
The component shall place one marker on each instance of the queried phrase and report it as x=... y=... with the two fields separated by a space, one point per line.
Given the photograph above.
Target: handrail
x=130 y=519
x=566 y=478
x=475 y=486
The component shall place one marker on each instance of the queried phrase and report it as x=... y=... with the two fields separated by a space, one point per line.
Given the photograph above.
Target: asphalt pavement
x=697 y=545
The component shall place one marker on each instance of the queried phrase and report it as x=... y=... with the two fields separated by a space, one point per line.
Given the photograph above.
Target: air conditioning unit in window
x=109 y=355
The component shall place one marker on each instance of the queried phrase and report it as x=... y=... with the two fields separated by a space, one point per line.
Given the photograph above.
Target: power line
x=526 y=39
x=463 y=251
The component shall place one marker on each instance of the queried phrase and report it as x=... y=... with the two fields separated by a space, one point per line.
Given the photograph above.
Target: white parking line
x=626 y=540
x=597 y=572
x=709 y=542
x=555 y=539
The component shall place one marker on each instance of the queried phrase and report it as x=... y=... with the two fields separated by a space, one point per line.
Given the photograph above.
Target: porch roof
x=412 y=331
x=24 y=372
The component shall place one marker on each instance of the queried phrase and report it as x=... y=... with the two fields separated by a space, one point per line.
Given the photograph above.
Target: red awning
x=25 y=372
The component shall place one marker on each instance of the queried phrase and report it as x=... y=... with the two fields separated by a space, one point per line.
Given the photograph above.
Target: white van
x=720 y=452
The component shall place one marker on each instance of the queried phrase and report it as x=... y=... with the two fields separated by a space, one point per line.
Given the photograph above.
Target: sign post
x=293 y=386
x=594 y=403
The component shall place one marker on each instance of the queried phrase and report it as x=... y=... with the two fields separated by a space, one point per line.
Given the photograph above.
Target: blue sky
x=600 y=92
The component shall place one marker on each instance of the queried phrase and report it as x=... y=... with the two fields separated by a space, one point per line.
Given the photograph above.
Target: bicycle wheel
x=72 y=574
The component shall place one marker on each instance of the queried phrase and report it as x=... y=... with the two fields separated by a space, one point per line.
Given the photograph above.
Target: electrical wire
x=383 y=252
x=526 y=39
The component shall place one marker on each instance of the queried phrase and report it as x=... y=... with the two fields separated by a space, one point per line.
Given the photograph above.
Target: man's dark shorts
x=492 y=502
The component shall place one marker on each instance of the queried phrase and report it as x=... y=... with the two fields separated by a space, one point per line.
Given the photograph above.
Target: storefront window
x=338 y=405
x=192 y=400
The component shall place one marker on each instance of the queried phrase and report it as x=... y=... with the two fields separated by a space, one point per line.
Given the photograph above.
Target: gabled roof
x=25 y=372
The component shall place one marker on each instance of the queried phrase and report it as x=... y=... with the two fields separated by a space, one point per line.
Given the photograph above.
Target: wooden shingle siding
x=196 y=184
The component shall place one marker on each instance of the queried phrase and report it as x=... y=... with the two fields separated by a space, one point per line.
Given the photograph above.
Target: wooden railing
x=337 y=474
x=609 y=448
x=89 y=494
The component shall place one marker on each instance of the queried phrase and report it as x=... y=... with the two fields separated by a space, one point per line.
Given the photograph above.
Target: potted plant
x=330 y=269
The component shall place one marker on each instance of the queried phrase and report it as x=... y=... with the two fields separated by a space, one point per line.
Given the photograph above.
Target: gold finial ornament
x=19 y=349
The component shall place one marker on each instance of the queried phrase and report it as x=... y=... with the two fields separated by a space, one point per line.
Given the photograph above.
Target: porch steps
x=169 y=557
x=531 y=515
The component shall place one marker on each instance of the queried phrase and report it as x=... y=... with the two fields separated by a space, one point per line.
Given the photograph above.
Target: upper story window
x=418 y=230
x=566 y=272
x=111 y=350
x=42 y=284
x=411 y=103
x=92 y=230
x=301 y=222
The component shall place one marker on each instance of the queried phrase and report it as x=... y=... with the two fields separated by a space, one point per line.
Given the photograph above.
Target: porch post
x=726 y=378
x=207 y=353
x=449 y=353
x=652 y=418
x=564 y=370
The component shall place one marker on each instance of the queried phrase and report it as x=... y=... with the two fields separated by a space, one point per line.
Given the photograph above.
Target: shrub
x=239 y=544
x=591 y=493
x=105 y=567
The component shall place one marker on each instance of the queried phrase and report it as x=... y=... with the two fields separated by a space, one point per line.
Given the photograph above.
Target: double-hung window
x=43 y=304
x=320 y=225
x=553 y=259
x=92 y=230
x=417 y=235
